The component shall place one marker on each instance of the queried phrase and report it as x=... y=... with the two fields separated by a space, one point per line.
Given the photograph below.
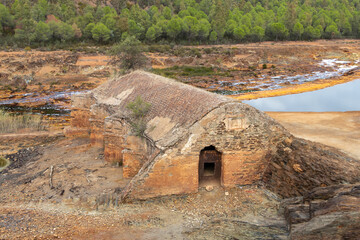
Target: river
x=338 y=98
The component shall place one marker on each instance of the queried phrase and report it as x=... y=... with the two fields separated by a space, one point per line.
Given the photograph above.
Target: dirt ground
x=337 y=129
x=51 y=196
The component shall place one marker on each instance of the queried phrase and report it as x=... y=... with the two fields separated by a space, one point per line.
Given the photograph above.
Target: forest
x=42 y=22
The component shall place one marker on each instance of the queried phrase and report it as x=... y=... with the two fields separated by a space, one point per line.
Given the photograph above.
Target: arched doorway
x=209 y=165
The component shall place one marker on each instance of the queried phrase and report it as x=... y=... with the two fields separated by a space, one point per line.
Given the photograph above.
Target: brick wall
x=169 y=175
x=80 y=115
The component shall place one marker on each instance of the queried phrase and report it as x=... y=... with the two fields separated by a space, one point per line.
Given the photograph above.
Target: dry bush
x=11 y=123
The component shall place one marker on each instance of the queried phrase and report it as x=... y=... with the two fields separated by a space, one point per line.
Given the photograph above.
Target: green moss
x=188 y=71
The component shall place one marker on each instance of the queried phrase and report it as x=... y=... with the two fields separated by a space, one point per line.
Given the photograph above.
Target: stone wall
x=114 y=139
x=299 y=165
x=97 y=123
x=243 y=135
x=169 y=175
x=243 y=168
x=80 y=115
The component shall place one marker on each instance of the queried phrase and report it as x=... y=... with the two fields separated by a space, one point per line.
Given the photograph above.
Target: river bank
x=337 y=129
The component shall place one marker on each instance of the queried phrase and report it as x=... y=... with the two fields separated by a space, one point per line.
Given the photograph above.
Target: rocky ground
x=48 y=195
x=45 y=194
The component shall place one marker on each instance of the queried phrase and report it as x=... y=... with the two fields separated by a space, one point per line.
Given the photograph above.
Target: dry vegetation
x=10 y=123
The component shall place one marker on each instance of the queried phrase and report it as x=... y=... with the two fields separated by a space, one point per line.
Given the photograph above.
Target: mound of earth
x=299 y=166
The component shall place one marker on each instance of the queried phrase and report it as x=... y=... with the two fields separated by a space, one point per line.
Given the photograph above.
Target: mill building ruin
x=192 y=135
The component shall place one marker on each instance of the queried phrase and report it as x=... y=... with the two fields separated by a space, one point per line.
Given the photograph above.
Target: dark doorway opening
x=209 y=165
x=209 y=169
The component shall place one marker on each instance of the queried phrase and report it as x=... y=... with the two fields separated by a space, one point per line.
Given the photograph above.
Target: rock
x=297 y=213
x=325 y=193
x=226 y=193
x=209 y=188
x=305 y=165
x=324 y=213
x=330 y=226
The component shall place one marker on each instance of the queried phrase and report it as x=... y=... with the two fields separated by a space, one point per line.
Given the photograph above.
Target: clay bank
x=194 y=136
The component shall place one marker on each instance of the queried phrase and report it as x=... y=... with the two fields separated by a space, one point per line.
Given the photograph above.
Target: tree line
x=26 y=22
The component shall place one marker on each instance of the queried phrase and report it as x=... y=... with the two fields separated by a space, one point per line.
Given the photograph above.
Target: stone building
x=192 y=135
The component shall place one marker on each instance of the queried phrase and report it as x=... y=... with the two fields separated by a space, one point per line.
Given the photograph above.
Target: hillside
x=43 y=23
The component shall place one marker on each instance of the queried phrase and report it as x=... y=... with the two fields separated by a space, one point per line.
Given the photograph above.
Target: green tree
x=239 y=33
x=230 y=27
x=213 y=36
x=65 y=32
x=311 y=33
x=298 y=30
x=25 y=35
x=42 y=32
x=151 y=34
x=332 y=31
x=101 y=33
x=40 y=10
x=88 y=30
x=6 y=20
x=135 y=29
x=173 y=28
x=278 y=31
x=166 y=12
x=258 y=33
x=130 y=53
x=204 y=28
x=191 y=27
x=219 y=18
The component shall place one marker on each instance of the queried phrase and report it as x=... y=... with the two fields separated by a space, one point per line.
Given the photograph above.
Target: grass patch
x=190 y=71
x=10 y=123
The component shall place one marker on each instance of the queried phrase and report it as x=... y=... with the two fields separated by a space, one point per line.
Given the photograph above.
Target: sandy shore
x=337 y=129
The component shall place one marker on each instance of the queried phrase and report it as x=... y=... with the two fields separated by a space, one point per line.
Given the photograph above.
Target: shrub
x=208 y=50
x=130 y=53
x=139 y=109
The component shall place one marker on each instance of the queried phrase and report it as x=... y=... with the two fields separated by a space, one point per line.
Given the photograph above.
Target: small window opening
x=209 y=169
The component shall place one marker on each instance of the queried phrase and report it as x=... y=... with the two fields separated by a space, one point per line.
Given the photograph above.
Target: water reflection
x=342 y=97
